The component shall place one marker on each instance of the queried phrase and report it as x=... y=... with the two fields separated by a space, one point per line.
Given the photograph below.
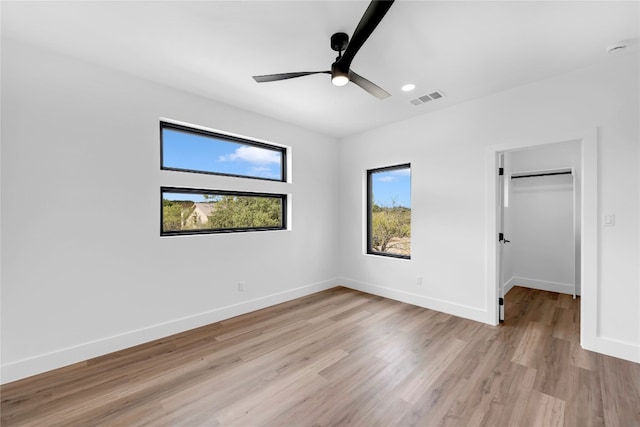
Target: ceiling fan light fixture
x=339 y=80
x=338 y=77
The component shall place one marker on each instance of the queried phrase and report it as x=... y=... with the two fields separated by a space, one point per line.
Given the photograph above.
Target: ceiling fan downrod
x=339 y=43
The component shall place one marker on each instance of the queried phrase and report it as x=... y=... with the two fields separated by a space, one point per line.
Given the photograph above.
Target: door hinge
x=500 y=301
x=500 y=171
x=500 y=237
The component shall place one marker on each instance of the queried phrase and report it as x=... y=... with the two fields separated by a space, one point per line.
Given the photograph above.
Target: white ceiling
x=212 y=48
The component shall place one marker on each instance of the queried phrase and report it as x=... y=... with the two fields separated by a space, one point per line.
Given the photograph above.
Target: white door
x=502 y=241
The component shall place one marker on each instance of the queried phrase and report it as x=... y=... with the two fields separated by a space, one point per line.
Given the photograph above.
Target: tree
x=175 y=214
x=171 y=215
x=390 y=225
x=246 y=212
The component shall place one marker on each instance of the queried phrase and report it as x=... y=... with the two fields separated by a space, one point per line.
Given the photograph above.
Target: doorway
x=539 y=219
x=588 y=248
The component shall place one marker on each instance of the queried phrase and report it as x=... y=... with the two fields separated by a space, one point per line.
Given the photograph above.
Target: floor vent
x=427 y=98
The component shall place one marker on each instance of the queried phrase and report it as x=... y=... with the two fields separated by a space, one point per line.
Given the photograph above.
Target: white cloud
x=262 y=171
x=402 y=172
x=254 y=155
x=393 y=175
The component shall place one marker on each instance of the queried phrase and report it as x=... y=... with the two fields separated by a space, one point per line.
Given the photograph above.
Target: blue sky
x=392 y=185
x=184 y=196
x=196 y=152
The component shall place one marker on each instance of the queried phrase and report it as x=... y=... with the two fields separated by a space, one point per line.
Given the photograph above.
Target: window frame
x=189 y=190
x=369 y=212
x=224 y=137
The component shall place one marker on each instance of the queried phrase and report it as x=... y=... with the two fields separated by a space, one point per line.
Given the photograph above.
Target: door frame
x=501 y=241
x=588 y=140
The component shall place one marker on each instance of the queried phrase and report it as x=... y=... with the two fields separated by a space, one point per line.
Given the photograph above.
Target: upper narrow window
x=197 y=211
x=194 y=150
x=389 y=211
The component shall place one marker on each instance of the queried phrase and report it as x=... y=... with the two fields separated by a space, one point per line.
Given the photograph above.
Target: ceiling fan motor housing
x=339 y=75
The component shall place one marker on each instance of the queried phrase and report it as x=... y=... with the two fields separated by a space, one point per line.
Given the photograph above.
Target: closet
x=541 y=219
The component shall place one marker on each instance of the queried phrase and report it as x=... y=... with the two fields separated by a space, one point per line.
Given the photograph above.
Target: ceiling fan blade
x=369 y=86
x=369 y=21
x=284 y=76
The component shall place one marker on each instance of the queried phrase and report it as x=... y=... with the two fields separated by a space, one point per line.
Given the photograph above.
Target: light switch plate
x=609 y=220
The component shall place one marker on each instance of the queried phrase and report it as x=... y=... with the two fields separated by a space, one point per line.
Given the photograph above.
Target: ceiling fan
x=341 y=72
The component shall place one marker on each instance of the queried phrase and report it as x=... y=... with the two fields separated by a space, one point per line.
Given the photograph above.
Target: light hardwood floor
x=342 y=357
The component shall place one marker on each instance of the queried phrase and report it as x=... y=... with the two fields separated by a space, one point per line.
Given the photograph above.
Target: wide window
x=194 y=150
x=197 y=211
x=389 y=211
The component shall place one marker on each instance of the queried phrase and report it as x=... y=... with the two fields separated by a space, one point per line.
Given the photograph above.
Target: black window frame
x=370 y=173
x=224 y=137
x=189 y=190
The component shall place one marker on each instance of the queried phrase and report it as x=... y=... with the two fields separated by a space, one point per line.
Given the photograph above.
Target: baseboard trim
x=24 y=368
x=613 y=348
x=508 y=285
x=460 y=310
x=563 y=288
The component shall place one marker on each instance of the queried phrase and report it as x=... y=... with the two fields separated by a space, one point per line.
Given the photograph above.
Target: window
x=389 y=211
x=197 y=211
x=194 y=150
x=185 y=211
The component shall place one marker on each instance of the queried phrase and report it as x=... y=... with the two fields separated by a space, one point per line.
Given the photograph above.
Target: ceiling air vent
x=427 y=98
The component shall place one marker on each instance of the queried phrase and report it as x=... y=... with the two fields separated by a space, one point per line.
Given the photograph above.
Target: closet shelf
x=542 y=172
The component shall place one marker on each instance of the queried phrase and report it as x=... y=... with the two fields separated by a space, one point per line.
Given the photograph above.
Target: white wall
x=539 y=221
x=447 y=150
x=84 y=270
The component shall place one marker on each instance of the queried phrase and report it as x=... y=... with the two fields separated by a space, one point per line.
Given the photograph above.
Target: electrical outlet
x=240 y=286
x=419 y=281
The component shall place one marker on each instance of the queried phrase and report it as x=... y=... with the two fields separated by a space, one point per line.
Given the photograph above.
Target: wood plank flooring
x=342 y=357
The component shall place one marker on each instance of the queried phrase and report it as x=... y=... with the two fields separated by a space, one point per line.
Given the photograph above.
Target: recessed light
x=408 y=87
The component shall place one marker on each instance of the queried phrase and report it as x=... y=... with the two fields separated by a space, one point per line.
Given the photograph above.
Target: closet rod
x=541 y=174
